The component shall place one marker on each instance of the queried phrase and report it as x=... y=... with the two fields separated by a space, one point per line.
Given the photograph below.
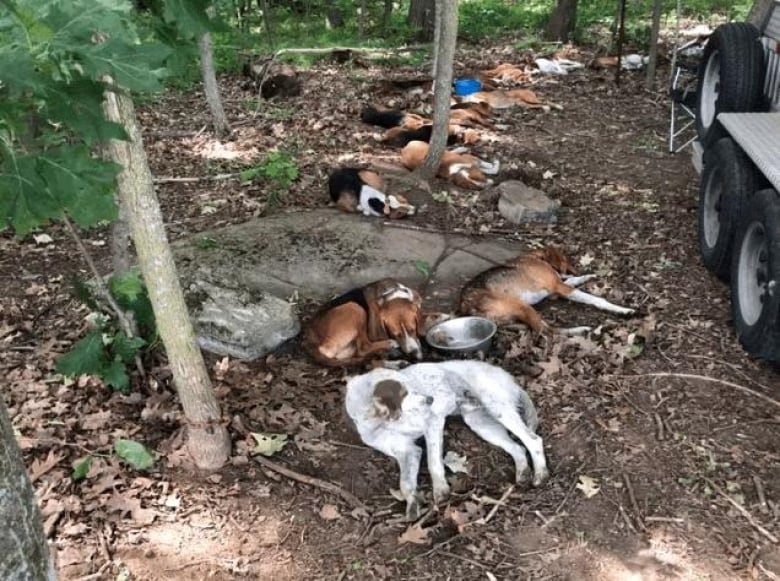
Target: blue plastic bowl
x=465 y=87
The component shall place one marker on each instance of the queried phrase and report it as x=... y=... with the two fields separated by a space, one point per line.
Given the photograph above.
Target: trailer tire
x=731 y=78
x=727 y=183
x=755 y=277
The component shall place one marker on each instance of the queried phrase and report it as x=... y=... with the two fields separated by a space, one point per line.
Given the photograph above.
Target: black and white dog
x=392 y=409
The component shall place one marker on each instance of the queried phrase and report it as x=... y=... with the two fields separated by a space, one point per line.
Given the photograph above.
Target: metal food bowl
x=462 y=335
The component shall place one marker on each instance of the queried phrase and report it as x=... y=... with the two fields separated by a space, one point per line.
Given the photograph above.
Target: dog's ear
x=375 y=325
x=388 y=398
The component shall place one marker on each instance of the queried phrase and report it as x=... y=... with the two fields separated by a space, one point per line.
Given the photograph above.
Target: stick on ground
x=312 y=481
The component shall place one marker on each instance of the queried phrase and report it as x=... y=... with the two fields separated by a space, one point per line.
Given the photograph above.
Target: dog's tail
x=387 y=118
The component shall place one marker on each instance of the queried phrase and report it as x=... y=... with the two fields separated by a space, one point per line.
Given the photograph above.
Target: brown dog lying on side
x=366 y=321
x=505 y=293
x=464 y=170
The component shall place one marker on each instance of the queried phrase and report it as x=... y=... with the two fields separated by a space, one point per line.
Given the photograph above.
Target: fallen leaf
x=268 y=444
x=41 y=467
x=42 y=239
x=586 y=259
x=414 y=534
x=456 y=463
x=329 y=512
x=589 y=486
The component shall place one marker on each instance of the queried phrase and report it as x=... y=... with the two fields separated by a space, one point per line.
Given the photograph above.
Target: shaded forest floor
x=664 y=459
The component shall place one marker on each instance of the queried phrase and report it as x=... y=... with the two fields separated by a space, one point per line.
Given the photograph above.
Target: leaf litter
x=595 y=420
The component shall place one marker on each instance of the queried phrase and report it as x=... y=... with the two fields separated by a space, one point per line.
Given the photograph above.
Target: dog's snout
x=429 y=400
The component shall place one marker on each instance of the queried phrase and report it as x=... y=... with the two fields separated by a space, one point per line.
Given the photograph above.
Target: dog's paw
x=441 y=492
x=540 y=477
x=625 y=311
x=393 y=344
x=523 y=475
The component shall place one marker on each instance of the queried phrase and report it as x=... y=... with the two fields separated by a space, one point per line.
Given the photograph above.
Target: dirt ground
x=663 y=453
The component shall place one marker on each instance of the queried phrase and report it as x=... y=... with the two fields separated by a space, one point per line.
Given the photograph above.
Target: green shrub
x=106 y=350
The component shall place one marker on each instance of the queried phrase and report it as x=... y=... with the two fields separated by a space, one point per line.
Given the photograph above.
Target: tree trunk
x=387 y=14
x=221 y=126
x=421 y=17
x=562 y=22
x=653 y=49
x=24 y=552
x=436 y=39
x=621 y=36
x=208 y=440
x=120 y=241
x=442 y=84
x=759 y=12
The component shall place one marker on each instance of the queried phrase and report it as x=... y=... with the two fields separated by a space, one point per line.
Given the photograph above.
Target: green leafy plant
x=206 y=243
x=106 y=350
x=134 y=453
x=279 y=170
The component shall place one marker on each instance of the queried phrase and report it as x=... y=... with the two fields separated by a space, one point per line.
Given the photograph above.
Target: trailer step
x=758 y=134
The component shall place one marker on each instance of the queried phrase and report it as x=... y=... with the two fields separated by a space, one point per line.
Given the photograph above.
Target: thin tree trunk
x=436 y=37
x=562 y=22
x=362 y=18
x=442 y=88
x=266 y=10
x=421 y=17
x=387 y=14
x=653 y=49
x=221 y=126
x=24 y=552
x=208 y=440
x=621 y=35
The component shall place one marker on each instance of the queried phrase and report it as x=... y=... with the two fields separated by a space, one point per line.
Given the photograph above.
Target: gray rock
x=520 y=203
x=238 y=323
x=318 y=254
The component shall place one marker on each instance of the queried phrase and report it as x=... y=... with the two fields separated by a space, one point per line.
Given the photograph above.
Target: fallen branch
x=736 y=386
x=634 y=503
x=221 y=176
x=501 y=501
x=312 y=481
x=742 y=510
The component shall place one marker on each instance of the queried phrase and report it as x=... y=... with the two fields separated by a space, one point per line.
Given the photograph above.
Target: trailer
x=737 y=153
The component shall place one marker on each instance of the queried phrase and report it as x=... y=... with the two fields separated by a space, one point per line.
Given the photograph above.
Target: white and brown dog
x=364 y=322
x=507 y=293
x=462 y=169
x=392 y=409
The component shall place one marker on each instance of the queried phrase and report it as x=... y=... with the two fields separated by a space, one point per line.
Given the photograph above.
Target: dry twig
x=693 y=376
x=312 y=481
x=742 y=510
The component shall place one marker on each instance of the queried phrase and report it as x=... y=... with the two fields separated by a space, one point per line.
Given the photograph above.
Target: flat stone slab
x=320 y=253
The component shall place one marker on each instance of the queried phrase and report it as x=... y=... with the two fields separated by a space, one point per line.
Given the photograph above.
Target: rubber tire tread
x=761 y=340
x=741 y=76
x=726 y=162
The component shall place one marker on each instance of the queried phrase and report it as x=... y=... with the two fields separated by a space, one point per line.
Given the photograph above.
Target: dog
x=362 y=191
x=405 y=127
x=392 y=409
x=464 y=170
x=509 y=98
x=366 y=321
x=506 y=73
x=506 y=293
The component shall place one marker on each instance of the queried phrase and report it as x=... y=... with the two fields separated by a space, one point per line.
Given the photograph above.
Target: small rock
x=520 y=203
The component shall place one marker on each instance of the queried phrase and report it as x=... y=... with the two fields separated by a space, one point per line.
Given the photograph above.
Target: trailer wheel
x=727 y=182
x=755 y=277
x=731 y=78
